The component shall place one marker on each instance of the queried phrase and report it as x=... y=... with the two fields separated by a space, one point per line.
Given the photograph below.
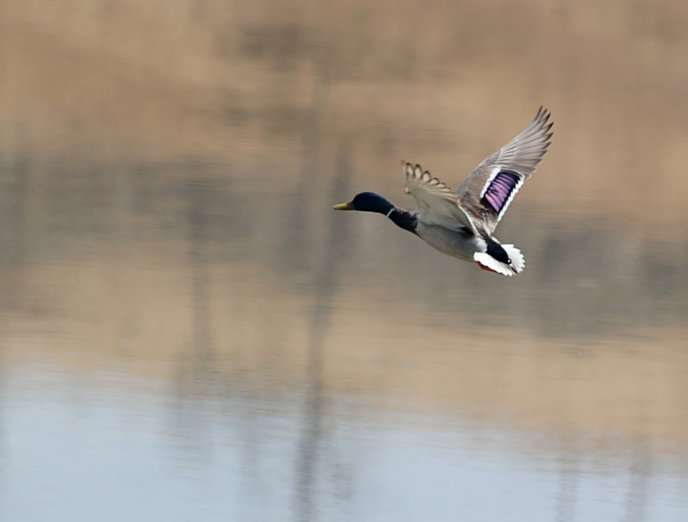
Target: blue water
x=72 y=453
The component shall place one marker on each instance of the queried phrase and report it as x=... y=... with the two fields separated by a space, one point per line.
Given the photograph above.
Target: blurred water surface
x=189 y=332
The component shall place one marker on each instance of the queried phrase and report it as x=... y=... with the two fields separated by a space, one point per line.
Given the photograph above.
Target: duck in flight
x=461 y=222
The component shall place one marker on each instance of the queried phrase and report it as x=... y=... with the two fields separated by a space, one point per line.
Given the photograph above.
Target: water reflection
x=342 y=342
x=188 y=331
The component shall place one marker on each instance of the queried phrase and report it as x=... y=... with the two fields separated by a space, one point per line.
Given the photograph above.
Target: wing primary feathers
x=492 y=185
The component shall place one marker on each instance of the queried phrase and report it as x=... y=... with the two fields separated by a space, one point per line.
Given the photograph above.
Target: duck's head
x=367 y=202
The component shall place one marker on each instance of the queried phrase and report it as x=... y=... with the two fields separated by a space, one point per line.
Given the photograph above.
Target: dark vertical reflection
x=14 y=247
x=567 y=496
x=193 y=379
x=198 y=240
x=13 y=254
x=637 y=496
x=326 y=272
x=298 y=244
x=310 y=443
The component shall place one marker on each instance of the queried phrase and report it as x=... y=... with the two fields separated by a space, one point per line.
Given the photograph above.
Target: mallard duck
x=461 y=222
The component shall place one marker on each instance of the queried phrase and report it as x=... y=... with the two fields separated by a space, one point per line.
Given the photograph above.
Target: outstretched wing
x=437 y=203
x=487 y=192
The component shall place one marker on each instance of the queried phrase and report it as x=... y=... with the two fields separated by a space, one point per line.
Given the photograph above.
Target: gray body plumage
x=460 y=243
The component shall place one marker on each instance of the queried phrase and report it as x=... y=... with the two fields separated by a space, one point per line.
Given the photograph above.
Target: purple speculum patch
x=501 y=187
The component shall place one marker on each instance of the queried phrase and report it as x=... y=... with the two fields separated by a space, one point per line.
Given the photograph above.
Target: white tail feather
x=518 y=263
